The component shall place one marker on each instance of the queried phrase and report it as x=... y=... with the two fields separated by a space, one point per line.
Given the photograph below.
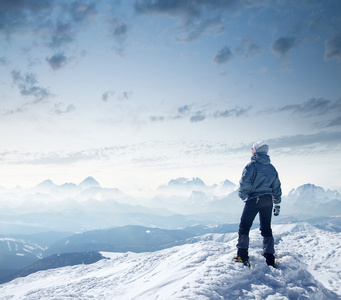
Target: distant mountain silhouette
x=56 y=261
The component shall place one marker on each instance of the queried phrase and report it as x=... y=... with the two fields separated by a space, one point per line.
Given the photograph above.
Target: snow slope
x=309 y=269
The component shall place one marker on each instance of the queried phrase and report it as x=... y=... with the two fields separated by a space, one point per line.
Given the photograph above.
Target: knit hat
x=261 y=147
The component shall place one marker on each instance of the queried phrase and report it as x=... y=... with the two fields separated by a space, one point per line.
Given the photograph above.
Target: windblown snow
x=308 y=269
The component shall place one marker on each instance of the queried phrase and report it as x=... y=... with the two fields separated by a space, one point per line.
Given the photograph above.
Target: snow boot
x=243 y=257
x=245 y=262
x=270 y=259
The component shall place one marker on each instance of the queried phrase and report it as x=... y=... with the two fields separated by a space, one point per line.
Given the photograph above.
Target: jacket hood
x=264 y=159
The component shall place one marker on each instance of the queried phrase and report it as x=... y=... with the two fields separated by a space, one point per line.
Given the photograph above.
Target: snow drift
x=309 y=269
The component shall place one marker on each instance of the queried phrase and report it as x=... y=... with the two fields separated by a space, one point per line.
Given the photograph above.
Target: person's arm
x=245 y=182
x=277 y=191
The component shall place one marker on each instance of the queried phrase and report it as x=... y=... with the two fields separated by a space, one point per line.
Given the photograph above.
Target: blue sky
x=135 y=93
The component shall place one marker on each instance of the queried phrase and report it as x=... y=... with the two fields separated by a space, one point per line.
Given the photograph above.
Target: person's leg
x=265 y=214
x=249 y=213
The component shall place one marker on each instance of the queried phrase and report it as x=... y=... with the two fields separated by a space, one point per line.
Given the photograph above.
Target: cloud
x=195 y=16
x=223 y=56
x=57 y=61
x=8 y=112
x=301 y=144
x=81 y=11
x=335 y=122
x=107 y=95
x=184 y=109
x=55 y=24
x=198 y=117
x=333 y=48
x=59 y=111
x=283 y=45
x=314 y=106
x=3 y=61
x=248 y=48
x=22 y=15
x=234 y=112
x=61 y=34
x=122 y=96
x=317 y=142
x=118 y=31
x=157 y=118
x=28 y=86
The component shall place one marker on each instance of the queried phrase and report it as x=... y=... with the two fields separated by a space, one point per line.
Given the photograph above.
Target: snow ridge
x=309 y=269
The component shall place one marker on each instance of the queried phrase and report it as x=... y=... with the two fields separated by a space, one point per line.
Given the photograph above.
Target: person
x=260 y=189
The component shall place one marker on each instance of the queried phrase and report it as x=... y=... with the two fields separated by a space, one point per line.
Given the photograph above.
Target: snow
x=308 y=269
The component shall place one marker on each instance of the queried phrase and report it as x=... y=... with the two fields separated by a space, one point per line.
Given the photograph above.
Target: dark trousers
x=263 y=206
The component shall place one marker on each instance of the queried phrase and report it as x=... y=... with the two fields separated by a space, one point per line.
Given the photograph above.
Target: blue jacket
x=260 y=178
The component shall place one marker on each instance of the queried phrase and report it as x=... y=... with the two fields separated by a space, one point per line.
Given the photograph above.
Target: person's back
x=259 y=187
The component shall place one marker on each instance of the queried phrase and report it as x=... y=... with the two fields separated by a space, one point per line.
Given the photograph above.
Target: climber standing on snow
x=260 y=189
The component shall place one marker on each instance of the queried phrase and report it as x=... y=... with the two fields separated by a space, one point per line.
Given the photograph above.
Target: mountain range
x=179 y=203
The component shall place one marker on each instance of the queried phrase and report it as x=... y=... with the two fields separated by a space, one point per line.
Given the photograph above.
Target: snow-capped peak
x=89 y=182
x=311 y=190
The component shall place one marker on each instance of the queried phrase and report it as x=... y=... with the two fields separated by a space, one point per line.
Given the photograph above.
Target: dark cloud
x=55 y=22
x=57 y=61
x=198 y=117
x=118 y=31
x=335 y=122
x=81 y=10
x=23 y=14
x=62 y=33
x=28 y=86
x=248 y=48
x=314 y=106
x=333 y=48
x=223 y=56
x=283 y=45
x=196 y=16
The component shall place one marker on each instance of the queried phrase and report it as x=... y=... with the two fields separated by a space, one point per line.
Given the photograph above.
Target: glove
x=277 y=209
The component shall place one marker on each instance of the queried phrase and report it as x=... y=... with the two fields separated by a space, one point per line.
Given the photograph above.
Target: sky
x=138 y=92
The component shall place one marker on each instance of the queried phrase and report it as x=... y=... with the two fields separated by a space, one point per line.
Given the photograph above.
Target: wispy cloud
x=234 y=112
x=313 y=107
x=199 y=114
x=62 y=33
x=318 y=142
x=3 y=61
x=118 y=31
x=157 y=118
x=119 y=96
x=59 y=110
x=162 y=153
x=248 y=48
x=28 y=86
x=333 y=48
x=195 y=16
